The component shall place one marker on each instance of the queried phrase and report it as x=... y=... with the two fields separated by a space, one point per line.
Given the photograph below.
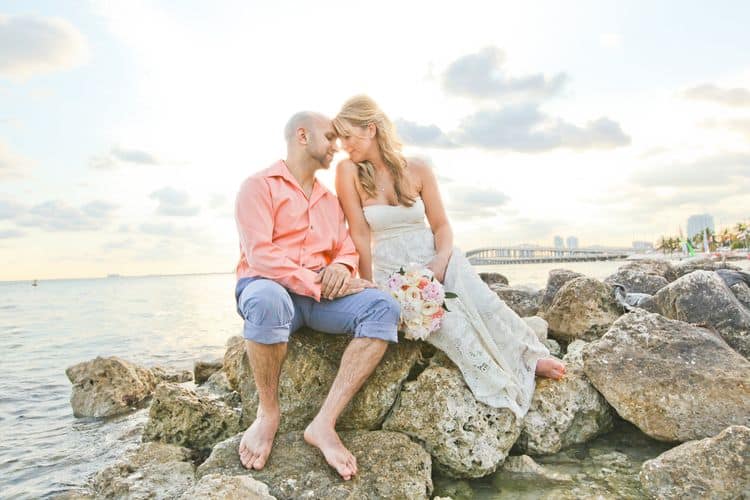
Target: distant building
x=572 y=242
x=697 y=223
x=642 y=246
x=559 y=244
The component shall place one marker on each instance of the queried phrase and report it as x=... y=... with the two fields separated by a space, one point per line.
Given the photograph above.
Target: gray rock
x=466 y=438
x=164 y=374
x=554 y=347
x=557 y=278
x=307 y=374
x=221 y=487
x=153 y=471
x=702 y=297
x=180 y=416
x=539 y=325
x=716 y=467
x=673 y=380
x=523 y=300
x=584 y=308
x=636 y=281
x=655 y=267
x=742 y=292
x=203 y=369
x=493 y=278
x=687 y=266
x=390 y=466
x=564 y=412
x=110 y=386
x=233 y=358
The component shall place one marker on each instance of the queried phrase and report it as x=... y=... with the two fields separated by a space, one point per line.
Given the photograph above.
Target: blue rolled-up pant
x=272 y=313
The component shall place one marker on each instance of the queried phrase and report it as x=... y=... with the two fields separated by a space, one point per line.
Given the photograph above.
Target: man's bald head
x=307 y=120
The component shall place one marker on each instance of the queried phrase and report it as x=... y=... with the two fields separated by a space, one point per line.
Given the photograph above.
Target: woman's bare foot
x=325 y=438
x=550 y=368
x=256 y=443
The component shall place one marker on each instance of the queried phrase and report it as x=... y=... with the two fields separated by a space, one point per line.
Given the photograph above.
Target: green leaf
x=401 y=271
x=446 y=308
x=450 y=295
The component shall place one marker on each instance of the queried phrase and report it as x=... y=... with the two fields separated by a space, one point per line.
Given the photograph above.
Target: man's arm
x=254 y=217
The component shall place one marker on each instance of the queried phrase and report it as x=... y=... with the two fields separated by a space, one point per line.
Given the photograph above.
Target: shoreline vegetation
x=654 y=405
x=736 y=237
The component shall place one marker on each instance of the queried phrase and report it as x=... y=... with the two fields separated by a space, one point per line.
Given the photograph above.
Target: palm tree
x=743 y=232
x=662 y=244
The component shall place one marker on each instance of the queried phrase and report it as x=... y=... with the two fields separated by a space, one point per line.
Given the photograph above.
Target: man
x=297 y=267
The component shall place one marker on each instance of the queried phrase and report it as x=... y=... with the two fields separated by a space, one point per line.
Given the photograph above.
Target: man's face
x=322 y=141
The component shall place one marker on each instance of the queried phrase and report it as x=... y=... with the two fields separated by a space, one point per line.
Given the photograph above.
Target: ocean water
x=164 y=320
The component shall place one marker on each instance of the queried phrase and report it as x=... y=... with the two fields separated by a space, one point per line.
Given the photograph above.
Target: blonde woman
x=386 y=199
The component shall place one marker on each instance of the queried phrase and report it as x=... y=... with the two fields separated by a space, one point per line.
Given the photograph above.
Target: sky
x=126 y=127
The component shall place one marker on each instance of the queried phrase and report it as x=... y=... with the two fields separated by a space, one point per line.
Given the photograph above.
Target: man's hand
x=333 y=280
x=356 y=285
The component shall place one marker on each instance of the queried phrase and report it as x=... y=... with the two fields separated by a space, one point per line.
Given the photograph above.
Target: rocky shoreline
x=673 y=373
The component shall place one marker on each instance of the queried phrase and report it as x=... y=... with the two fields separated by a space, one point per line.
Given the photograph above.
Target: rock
x=233 y=358
x=557 y=278
x=153 y=471
x=703 y=297
x=221 y=487
x=539 y=325
x=654 y=267
x=717 y=467
x=466 y=438
x=636 y=281
x=163 y=374
x=110 y=386
x=493 y=278
x=523 y=300
x=673 y=380
x=690 y=265
x=742 y=292
x=452 y=488
x=553 y=347
x=583 y=309
x=203 y=369
x=564 y=412
x=307 y=374
x=526 y=467
x=180 y=416
x=390 y=466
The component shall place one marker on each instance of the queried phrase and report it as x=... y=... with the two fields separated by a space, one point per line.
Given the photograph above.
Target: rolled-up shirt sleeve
x=345 y=252
x=255 y=224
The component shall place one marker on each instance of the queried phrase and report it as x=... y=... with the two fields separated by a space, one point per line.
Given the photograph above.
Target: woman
x=385 y=198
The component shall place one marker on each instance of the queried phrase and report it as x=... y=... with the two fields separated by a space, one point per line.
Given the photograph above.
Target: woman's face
x=360 y=143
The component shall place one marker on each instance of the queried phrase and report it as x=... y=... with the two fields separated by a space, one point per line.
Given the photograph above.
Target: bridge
x=521 y=255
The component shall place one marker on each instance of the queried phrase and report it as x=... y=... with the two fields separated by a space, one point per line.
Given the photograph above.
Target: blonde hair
x=361 y=111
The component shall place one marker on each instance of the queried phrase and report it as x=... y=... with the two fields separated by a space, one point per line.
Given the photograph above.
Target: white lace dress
x=494 y=348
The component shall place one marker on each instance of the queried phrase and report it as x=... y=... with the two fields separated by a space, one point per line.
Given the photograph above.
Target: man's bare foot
x=550 y=368
x=256 y=443
x=325 y=438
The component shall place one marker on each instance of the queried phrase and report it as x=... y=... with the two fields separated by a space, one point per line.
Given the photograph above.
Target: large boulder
x=203 y=369
x=523 y=300
x=233 y=359
x=716 y=467
x=742 y=292
x=493 y=278
x=584 y=308
x=165 y=374
x=690 y=265
x=390 y=466
x=673 y=380
x=539 y=325
x=703 y=297
x=180 y=416
x=153 y=471
x=103 y=387
x=636 y=281
x=221 y=487
x=564 y=412
x=307 y=374
x=466 y=438
x=557 y=278
x=654 y=267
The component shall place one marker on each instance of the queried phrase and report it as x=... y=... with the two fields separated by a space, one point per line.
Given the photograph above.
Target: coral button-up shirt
x=286 y=237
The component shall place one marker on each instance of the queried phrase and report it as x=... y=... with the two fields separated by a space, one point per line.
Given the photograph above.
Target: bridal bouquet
x=422 y=300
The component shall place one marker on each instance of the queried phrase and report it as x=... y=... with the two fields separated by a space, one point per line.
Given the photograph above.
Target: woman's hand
x=438 y=265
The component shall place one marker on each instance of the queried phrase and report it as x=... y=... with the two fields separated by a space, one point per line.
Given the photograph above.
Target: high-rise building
x=697 y=223
x=572 y=242
x=559 y=244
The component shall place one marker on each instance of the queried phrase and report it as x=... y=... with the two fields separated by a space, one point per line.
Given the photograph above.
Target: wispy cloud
x=718 y=170
x=481 y=75
x=57 y=216
x=118 y=156
x=174 y=203
x=466 y=202
x=32 y=45
x=10 y=233
x=12 y=165
x=735 y=97
x=422 y=135
x=10 y=209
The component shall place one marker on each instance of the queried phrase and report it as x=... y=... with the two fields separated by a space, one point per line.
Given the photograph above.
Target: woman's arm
x=346 y=189
x=436 y=216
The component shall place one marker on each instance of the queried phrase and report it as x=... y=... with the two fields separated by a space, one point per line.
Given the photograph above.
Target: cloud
x=10 y=209
x=716 y=170
x=471 y=202
x=167 y=229
x=117 y=156
x=174 y=203
x=12 y=165
x=119 y=245
x=58 y=216
x=480 y=75
x=735 y=97
x=422 y=135
x=524 y=128
x=32 y=45
x=10 y=233
x=739 y=125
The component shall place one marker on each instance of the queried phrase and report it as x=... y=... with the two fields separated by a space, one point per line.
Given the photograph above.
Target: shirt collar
x=280 y=169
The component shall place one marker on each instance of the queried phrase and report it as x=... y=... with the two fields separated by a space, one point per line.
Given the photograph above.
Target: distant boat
x=34 y=283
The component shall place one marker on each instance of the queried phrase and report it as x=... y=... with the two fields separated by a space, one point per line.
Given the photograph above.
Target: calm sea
x=165 y=320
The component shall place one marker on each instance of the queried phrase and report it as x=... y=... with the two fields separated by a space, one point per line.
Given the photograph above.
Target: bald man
x=298 y=268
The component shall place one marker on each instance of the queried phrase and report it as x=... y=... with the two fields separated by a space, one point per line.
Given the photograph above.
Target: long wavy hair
x=361 y=111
